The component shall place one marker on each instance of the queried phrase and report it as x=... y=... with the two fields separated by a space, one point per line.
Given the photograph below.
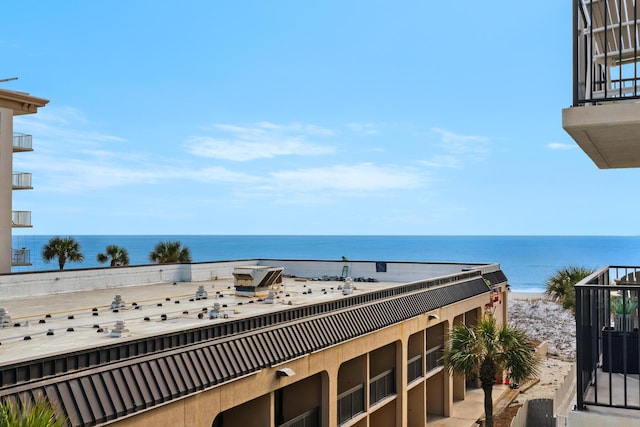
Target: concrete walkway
x=466 y=412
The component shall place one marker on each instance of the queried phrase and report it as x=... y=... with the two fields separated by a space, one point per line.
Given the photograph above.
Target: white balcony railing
x=20 y=257
x=21 y=181
x=22 y=142
x=21 y=219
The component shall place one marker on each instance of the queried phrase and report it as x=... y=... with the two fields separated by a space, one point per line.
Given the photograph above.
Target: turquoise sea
x=526 y=260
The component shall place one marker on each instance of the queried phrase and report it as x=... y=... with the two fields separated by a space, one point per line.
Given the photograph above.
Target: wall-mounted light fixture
x=285 y=372
x=433 y=317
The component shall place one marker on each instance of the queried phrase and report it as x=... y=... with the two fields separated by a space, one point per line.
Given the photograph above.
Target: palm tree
x=37 y=414
x=63 y=248
x=165 y=252
x=119 y=256
x=561 y=285
x=485 y=350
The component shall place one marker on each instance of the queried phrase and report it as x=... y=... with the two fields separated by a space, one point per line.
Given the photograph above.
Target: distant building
x=12 y=104
x=179 y=346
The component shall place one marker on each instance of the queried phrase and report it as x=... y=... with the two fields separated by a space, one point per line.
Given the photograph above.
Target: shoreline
x=527 y=296
x=540 y=318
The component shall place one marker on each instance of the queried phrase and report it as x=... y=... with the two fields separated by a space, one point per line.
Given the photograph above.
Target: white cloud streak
x=364 y=177
x=458 y=149
x=82 y=168
x=364 y=129
x=263 y=140
x=560 y=146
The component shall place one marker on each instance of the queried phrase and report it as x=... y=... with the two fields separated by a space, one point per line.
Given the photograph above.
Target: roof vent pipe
x=5 y=319
x=271 y=296
x=201 y=293
x=118 y=329
x=117 y=302
x=215 y=312
x=347 y=289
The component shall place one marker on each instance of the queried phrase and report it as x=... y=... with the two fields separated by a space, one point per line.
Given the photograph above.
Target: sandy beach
x=544 y=320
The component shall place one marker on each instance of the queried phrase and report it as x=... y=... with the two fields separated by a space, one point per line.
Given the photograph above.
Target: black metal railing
x=310 y=418
x=20 y=257
x=350 y=403
x=605 y=51
x=414 y=368
x=608 y=339
x=433 y=356
x=381 y=386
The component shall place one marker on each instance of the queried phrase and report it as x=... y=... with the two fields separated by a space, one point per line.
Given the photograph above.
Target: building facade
x=328 y=352
x=12 y=104
x=604 y=120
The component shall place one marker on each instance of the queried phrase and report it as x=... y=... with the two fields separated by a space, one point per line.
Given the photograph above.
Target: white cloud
x=365 y=129
x=263 y=140
x=442 y=161
x=101 y=170
x=457 y=149
x=241 y=150
x=448 y=136
x=62 y=126
x=560 y=146
x=356 y=179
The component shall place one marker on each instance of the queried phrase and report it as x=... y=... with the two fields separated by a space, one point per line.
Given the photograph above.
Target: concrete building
x=12 y=104
x=177 y=345
x=604 y=120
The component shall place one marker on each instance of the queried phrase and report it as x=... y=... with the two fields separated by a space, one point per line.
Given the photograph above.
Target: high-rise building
x=604 y=120
x=12 y=104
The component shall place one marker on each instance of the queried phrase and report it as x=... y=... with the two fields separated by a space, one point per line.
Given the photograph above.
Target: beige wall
x=6 y=160
x=321 y=376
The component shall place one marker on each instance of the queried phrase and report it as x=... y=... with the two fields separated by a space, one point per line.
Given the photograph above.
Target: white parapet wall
x=389 y=271
x=20 y=285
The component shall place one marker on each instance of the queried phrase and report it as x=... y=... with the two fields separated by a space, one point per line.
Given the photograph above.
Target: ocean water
x=526 y=260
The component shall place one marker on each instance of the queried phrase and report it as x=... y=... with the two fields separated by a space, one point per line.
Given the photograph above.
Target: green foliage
x=118 y=255
x=35 y=414
x=166 y=252
x=561 y=285
x=486 y=349
x=64 y=249
x=624 y=306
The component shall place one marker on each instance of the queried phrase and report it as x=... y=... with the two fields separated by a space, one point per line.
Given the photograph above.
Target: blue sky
x=283 y=117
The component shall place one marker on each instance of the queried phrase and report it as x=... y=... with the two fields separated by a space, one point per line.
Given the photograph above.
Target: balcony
x=605 y=51
x=606 y=82
x=21 y=219
x=414 y=368
x=608 y=344
x=350 y=404
x=434 y=356
x=21 y=181
x=310 y=418
x=22 y=142
x=382 y=386
x=20 y=257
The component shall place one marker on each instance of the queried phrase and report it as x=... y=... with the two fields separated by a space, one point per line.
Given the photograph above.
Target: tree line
x=67 y=249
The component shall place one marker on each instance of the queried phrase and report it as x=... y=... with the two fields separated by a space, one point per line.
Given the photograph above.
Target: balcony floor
x=616 y=383
x=609 y=134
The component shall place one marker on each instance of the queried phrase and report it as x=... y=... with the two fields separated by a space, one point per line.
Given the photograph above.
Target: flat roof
x=158 y=361
x=91 y=317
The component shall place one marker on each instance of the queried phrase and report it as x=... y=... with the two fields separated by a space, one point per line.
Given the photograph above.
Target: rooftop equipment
x=255 y=281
